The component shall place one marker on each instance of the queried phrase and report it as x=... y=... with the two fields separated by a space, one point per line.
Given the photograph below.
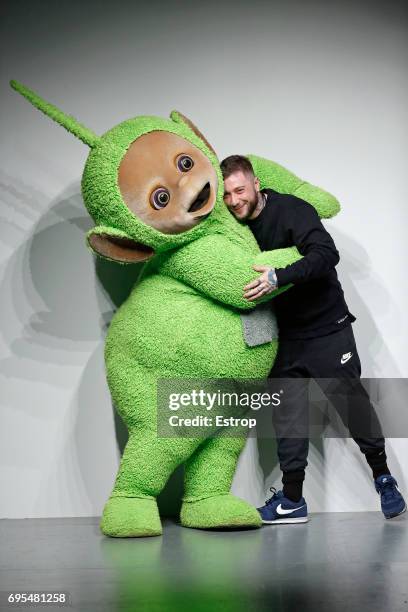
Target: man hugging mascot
x=154 y=188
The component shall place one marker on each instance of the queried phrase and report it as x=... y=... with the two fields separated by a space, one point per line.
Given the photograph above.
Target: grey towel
x=259 y=325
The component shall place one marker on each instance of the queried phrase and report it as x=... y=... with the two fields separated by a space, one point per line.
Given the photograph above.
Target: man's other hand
x=263 y=285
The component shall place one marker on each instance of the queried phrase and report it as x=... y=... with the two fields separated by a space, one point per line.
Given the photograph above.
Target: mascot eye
x=184 y=163
x=160 y=198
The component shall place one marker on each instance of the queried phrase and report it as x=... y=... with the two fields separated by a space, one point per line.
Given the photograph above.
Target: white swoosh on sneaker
x=282 y=511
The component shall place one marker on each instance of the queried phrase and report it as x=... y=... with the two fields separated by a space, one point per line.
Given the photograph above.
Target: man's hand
x=263 y=285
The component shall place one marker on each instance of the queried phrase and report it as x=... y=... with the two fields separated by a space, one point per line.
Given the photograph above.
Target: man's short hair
x=236 y=163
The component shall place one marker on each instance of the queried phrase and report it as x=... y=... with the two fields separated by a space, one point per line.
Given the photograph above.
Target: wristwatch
x=272 y=278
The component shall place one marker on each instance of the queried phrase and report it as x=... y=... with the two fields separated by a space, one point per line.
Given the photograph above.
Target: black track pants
x=331 y=357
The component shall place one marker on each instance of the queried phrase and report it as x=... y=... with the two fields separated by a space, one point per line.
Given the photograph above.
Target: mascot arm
x=273 y=176
x=220 y=269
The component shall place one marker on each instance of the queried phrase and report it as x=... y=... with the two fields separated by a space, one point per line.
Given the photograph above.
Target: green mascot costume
x=155 y=191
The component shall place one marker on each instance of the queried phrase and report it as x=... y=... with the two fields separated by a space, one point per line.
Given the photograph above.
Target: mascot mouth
x=201 y=199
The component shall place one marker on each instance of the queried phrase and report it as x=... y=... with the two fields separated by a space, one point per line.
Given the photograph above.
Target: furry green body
x=171 y=327
x=181 y=321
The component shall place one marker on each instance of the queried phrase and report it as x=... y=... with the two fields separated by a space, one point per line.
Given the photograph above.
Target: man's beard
x=251 y=205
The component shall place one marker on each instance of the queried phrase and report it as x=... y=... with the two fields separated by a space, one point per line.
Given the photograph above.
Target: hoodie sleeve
x=313 y=241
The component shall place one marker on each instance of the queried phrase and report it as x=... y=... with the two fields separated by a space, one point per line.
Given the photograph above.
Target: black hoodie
x=315 y=306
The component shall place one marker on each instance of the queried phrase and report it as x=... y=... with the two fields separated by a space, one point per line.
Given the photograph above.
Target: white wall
x=321 y=89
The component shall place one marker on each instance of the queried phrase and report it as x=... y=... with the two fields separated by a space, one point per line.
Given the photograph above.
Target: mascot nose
x=183 y=181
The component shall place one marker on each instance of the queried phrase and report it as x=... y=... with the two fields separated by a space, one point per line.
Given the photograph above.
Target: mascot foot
x=130 y=517
x=219 y=512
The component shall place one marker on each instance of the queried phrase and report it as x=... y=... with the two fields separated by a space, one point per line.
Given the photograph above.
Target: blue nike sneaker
x=392 y=502
x=281 y=510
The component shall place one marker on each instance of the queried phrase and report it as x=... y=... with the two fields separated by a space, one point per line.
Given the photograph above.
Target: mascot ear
x=115 y=245
x=179 y=118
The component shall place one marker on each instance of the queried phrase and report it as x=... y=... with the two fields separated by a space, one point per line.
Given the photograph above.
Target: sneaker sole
x=287 y=521
x=390 y=516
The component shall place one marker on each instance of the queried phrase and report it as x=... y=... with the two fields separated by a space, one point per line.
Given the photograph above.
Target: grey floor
x=337 y=561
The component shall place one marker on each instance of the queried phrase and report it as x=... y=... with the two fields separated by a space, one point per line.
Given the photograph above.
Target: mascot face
x=167 y=182
x=150 y=184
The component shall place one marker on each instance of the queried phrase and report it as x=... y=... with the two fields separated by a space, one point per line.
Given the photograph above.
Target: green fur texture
x=182 y=320
x=67 y=121
x=102 y=195
x=144 y=513
x=220 y=511
x=326 y=205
